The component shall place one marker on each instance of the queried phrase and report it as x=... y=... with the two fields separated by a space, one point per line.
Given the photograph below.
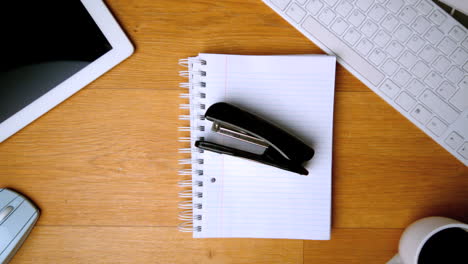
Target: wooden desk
x=102 y=165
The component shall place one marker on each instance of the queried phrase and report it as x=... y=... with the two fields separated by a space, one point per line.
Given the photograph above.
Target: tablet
x=50 y=50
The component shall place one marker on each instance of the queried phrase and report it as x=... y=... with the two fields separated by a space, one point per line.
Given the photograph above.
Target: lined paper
x=249 y=199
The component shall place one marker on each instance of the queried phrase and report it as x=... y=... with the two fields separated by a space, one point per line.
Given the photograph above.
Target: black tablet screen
x=43 y=43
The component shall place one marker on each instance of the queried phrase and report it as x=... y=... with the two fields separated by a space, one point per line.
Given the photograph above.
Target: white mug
x=417 y=234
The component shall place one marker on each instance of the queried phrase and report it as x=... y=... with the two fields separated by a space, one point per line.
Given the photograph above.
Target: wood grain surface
x=102 y=166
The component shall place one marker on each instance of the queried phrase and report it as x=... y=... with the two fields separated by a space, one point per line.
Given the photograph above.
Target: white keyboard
x=410 y=52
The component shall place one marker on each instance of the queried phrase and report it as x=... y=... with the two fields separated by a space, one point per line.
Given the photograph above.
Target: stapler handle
x=270 y=157
x=249 y=123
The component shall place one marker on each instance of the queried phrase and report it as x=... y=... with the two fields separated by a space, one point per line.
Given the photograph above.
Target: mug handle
x=396 y=260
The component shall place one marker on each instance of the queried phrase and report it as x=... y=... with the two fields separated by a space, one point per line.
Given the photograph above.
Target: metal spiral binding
x=189 y=205
x=190 y=183
x=185 y=150
x=184 y=95
x=192 y=205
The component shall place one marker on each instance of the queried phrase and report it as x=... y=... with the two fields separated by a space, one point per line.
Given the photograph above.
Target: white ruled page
x=249 y=199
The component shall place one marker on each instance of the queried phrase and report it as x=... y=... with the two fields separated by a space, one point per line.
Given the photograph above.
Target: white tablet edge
x=121 y=49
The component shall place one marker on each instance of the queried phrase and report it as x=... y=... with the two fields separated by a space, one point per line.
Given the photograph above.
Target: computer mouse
x=17 y=218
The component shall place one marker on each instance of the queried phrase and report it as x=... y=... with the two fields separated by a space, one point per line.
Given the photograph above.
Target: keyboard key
x=464 y=150
x=369 y=28
x=438 y=106
x=457 y=33
x=302 y=2
x=464 y=83
x=441 y=64
x=326 y=16
x=420 y=69
x=364 y=46
x=405 y=101
x=389 y=23
x=433 y=80
x=428 y=53
x=382 y=38
x=394 y=49
x=434 y=35
x=460 y=56
x=339 y=26
x=395 y=5
x=436 y=126
x=344 y=8
x=377 y=57
x=415 y=43
x=314 y=6
x=415 y=87
x=402 y=33
x=389 y=88
x=352 y=36
x=364 y=4
x=296 y=13
x=402 y=77
x=356 y=18
x=461 y=125
x=341 y=50
x=460 y=99
x=447 y=46
x=448 y=24
x=377 y=12
x=420 y=25
x=465 y=43
x=465 y=67
x=408 y=59
x=281 y=4
x=389 y=67
x=437 y=17
x=424 y=7
x=454 y=140
x=446 y=90
x=454 y=74
x=331 y=2
x=421 y=114
x=408 y=14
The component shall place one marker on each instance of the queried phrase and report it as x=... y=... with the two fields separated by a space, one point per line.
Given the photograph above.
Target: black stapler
x=282 y=150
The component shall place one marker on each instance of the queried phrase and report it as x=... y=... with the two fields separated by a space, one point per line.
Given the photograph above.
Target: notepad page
x=242 y=198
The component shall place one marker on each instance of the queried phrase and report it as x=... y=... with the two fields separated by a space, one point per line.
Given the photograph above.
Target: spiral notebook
x=227 y=196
